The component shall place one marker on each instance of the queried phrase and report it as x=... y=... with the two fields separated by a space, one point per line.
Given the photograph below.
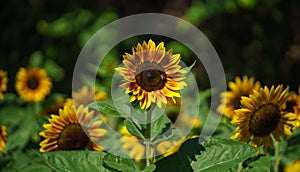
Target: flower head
x=152 y=75
x=72 y=129
x=293 y=167
x=3 y=83
x=33 y=84
x=86 y=95
x=133 y=144
x=261 y=117
x=230 y=100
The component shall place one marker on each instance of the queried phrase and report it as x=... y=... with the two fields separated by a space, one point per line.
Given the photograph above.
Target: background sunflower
x=72 y=130
x=262 y=118
x=32 y=84
x=3 y=83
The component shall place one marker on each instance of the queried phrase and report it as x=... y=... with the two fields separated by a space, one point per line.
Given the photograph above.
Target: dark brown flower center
x=73 y=138
x=264 y=120
x=33 y=83
x=150 y=76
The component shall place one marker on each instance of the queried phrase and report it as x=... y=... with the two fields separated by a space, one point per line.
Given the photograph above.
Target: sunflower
x=230 y=100
x=152 y=75
x=33 y=84
x=3 y=137
x=133 y=144
x=294 y=166
x=293 y=105
x=54 y=107
x=261 y=116
x=66 y=131
x=85 y=95
x=3 y=83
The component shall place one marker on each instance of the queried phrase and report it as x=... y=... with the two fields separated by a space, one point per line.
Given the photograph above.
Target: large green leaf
x=74 y=160
x=221 y=154
x=119 y=163
x=109 y=108
x=134 y=129
x=258 y=164
x=159 y=126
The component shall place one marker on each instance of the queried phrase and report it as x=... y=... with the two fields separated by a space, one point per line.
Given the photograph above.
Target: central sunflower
x=152 y=75
x=262 y=116
x=65 y=130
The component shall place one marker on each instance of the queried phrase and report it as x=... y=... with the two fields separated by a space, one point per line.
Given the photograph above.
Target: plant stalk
x=148 y=139
x=277 y=158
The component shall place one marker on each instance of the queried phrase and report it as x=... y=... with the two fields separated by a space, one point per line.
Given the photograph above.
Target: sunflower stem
x=240 y=168
x=277 y=158
x=148 y=138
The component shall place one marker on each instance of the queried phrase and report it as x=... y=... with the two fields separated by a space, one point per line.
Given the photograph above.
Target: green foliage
x=73 y=160
x=257 y=164
x=221 y=154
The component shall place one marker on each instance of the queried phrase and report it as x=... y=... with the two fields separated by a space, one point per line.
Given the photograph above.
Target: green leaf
x=133 y=129
x=188 y=151
x=258 y=164
x=74 y=160
x=180 y=161
x=109 y=108
x=21 y=125
x=150 y=168
x=221 y=154
x=188 y=69
x=119 y=163
x=159 y=125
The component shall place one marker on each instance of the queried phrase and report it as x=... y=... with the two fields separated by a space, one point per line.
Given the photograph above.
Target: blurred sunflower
x=65 y=130
x=293 y=167
x=230 y=100
x=3 y=83
x=54 y=107
x=133 y=144
x=152 y=75
x=293 y=105
x=33 y=84
x=261 y=116
x=167 y=148
x=85 y=95
x=3 y=137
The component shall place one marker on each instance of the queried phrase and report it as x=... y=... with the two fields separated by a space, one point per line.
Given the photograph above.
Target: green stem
x=148 y=138
x=240 y=168
x=277 y=158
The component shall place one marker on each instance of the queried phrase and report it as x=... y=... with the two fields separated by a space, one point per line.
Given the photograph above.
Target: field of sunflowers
x=150 y=104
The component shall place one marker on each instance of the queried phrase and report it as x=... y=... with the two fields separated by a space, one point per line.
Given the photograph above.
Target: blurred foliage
x=259 y=38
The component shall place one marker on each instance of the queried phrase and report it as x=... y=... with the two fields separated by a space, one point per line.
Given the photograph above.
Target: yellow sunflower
x=65 y=132
x=152 y=75
x=3 y=137
x=167 y=148
x=230 y=100
x=3 y=82
x=262 y=118
x=293 y=167
x=85 y=95
x=33 y=84
x=133 y=144
x=293 y=105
